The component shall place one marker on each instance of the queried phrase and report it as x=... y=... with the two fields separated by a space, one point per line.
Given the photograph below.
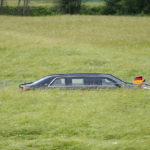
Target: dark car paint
x=47 y=85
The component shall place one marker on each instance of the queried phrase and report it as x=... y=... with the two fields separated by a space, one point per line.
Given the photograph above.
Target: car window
x=79 y=81
x=43 y=81
x=93 y=81
x=107 y=81
x=58 y=82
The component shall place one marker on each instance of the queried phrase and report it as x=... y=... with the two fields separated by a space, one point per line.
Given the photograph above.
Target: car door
x=75 y=82
x=59 y=82
x=84 y=82
x=99 y=82
x=93 y=82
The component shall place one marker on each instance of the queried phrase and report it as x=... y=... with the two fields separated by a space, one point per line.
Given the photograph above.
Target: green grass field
x=32 y=47
x=48 y=3
x=31 y=3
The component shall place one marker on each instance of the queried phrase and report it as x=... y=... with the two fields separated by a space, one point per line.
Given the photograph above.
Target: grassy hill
x=32 y=47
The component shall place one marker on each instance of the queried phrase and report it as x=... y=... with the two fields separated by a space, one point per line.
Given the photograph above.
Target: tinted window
x=93 y=81
x=107 y=81
x=90 y=81
x=58 y=82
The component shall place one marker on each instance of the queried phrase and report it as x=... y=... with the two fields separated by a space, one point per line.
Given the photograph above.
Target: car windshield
x=118 y=79
x=41 y=80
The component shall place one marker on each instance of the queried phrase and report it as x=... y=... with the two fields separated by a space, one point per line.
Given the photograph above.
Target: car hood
x=25 y=84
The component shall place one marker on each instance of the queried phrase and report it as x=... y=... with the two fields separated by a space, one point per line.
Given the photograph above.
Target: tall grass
x=32 y=47
x=93 y=120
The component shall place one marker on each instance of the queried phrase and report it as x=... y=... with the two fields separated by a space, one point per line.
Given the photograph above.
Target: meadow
x=32 y=47
x=49 y=3
x=31 y=3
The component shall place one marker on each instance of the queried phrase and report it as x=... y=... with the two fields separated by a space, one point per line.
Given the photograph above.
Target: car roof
x=81 y=75
x=86 y=75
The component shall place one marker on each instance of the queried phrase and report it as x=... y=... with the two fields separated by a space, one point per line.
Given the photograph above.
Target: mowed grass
x=32 y=47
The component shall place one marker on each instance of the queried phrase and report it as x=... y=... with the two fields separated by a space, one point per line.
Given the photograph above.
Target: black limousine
x=79 y=81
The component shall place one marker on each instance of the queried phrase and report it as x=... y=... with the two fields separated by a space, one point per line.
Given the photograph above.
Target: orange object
x=138 y=80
